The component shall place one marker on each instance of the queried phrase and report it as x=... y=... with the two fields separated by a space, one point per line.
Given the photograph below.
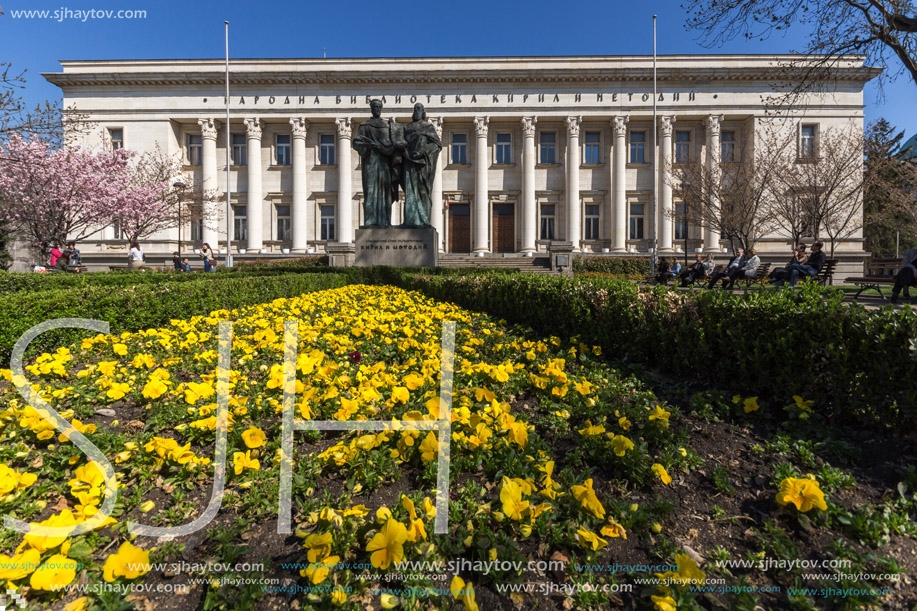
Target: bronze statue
x=419 y=168
x=380 y=144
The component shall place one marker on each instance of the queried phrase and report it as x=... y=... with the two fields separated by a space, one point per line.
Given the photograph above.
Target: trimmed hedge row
x=612 y=265
x=809 y=342
x=144 y=306
x=19 y=282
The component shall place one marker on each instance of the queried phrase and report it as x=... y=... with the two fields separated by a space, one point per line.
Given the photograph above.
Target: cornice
x=246 y=73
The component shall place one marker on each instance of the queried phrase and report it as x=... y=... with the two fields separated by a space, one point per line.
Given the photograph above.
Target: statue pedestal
x=397 y=247
x=340 y=254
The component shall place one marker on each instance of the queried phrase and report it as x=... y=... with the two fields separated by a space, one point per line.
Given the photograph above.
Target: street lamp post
x=181 y=189
x=685 y=221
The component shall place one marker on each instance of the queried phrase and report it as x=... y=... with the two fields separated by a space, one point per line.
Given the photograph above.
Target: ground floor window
x=327 y=222
x=283 y=223
x=547 y=221
x=239 y=222
x=637 y=213
x=592 y=222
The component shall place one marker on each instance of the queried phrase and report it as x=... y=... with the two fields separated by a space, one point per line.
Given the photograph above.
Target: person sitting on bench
x=691 y=274
x=809 y=268
x=749 y=270
x=736 y=263
x=906 y=275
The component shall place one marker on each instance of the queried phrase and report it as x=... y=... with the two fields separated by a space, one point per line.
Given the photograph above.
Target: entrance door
x=504 y=229
x=460 y=228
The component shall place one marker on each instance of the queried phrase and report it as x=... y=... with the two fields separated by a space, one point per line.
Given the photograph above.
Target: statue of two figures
x=397 y=155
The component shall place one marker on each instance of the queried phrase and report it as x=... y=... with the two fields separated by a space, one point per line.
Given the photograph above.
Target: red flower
x=354 y=357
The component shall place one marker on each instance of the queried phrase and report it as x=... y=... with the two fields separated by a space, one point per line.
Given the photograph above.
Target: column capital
x=437 y=123
x=712 y=123
x=620 y=125
x=253 y=128
x=528 y=126
x=480 y=126
x=208 y=128
x=343 y=126
x=300 y=127
x=666 y=124
x=573 y=124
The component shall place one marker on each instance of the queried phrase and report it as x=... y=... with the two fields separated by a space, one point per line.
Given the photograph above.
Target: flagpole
x=655 y=257
x=228 y=151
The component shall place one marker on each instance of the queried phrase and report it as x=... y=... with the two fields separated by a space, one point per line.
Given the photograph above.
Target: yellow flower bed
x=365 y=353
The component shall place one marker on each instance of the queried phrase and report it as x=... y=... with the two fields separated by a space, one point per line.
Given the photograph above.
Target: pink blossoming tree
x=63 y=194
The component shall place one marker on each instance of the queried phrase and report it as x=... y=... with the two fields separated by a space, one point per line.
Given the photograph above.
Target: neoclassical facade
x=534 y=149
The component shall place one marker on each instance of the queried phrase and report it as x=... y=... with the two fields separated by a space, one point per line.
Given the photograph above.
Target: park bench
x=703 y=280
x=826 y=273
x=879 y=273
x=759 y=278
x=78 y=268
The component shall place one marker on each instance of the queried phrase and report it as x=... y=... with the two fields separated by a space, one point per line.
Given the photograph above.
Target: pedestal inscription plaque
x=396 y=246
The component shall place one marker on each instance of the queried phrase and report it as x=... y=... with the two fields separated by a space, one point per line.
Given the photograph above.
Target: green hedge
x=146 y=305
x=853 y=362
x=20 y=282
x=612 y=265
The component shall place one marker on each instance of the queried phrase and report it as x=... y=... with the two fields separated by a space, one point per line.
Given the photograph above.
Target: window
x=239 y=222
x=117 y=138
x=547 y=221
x=282 y=142
x=283 y=222
x=681 y=223
x=592 y=222
x=682 y=146
x=459 y=149
x=504 y=149
x=326 y=149
x=327 y=222
x=807 y=142
x=119 y=233
x=548 y=139
x=238 y=150
x=728 y=147
x=194 y=149
x=637 y=146
x=636 y=221
x=593 y=141
x=197 y=223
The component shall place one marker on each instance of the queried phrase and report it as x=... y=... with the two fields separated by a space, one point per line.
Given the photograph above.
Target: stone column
x=574 y=214
x=209 y=182
x=529 y=206
x=344 y=226
x=711 y=235
x=619 y=184
x=481 y=189
x=665 y=188
x=436 y=210
x=255 y=195
x=299 y=224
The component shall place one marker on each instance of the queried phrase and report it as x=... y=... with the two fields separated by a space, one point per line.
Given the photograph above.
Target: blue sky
x=400 y=28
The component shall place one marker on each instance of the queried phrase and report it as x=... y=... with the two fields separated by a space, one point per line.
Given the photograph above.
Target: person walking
x=207 y=255
x=135 y=257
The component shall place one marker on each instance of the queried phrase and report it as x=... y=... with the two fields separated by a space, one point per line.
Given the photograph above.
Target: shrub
x=131 y=308
x=612 y=265
x=853 y=362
